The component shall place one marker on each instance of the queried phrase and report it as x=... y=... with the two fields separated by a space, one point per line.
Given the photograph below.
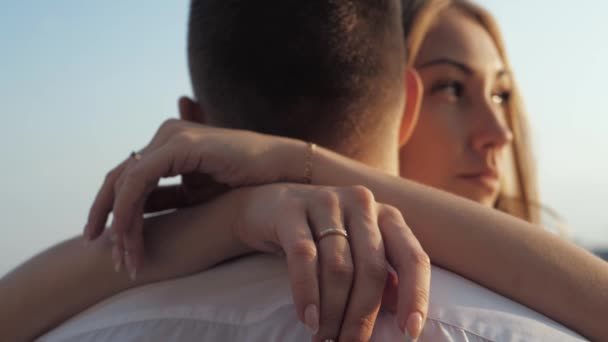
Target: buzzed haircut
x=307 y=69
x=410 y=10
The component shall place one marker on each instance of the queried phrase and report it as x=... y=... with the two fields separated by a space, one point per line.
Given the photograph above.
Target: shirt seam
x=463 y=329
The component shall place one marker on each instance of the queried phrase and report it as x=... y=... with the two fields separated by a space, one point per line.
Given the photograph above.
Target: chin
x=480 y=195
x=488 y=201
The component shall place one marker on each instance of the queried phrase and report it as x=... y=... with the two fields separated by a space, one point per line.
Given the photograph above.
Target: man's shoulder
x=249 y=300
x=460 y=307
x=244 y=292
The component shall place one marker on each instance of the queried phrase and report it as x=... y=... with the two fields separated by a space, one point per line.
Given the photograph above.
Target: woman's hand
x=235 y=158
x=205 y=156
x=338 y=282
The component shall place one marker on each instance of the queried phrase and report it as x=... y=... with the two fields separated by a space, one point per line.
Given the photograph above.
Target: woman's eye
x=501 y=98
x=452 y=88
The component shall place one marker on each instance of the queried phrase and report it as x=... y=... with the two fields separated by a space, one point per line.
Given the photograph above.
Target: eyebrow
x=463 y=67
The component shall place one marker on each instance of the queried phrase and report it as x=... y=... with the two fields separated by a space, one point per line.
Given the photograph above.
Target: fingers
x=127 y=234
x=370 y=266
x=102 y=205
x=335 y=263
x=391 y=294
x=413 y=269
x=132 y=188
x=297 y=242
x=122 y=193
x=134 y=245
x=104 y=201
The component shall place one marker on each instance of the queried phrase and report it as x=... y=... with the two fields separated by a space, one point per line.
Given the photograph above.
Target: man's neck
x=382 y=160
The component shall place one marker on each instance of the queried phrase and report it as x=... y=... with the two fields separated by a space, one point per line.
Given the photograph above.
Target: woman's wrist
x=293 y=160
x=297 y=161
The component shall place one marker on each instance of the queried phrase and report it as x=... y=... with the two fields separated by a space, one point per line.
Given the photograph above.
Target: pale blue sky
x=82 y=83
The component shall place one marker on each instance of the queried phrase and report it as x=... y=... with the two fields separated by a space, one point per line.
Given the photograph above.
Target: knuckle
x=375 y=270
x=169 y=125
x=390 y=218
x=339 y=267
x=183 y=139
x=292 y=204
x=361 y=195
x=303 y=250
x=420 y=259
x=327 y=199
x=392 y=213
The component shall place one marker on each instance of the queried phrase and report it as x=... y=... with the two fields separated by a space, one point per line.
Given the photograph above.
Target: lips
x=487 y=178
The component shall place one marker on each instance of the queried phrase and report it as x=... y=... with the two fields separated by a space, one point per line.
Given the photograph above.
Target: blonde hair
x=519 y=193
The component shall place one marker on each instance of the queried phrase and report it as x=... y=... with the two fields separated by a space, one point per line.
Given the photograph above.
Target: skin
x=461 y=140
x=421 y=204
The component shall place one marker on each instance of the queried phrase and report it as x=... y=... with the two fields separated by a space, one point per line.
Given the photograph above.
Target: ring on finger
x=136 y=155
x=332 y=231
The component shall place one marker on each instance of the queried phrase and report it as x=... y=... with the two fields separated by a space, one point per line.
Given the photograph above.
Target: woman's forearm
x=70 y=277
x=505 y=254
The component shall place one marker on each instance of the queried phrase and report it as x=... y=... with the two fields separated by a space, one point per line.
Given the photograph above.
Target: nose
x=491 y=129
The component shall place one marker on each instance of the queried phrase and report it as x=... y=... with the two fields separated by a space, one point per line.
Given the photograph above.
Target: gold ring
x=332 y=231
x=136 y=155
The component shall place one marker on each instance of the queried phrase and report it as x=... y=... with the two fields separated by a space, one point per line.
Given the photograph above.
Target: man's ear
x=190 y=110
x=413 y=99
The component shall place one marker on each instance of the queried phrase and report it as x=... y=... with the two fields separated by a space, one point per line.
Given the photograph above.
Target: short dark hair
x=410 y=10
x=297 y=68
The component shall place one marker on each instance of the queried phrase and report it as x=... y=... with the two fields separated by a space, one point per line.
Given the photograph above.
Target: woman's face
x=460 y=142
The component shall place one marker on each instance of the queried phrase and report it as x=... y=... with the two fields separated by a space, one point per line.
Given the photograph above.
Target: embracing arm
x=271 y=218
x=70 y=277
x=503 y=253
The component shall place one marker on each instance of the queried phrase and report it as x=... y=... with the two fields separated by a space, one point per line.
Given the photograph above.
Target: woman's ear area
x=190 y=110
x=413 y=100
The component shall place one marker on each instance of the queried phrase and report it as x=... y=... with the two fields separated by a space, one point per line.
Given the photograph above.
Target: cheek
x=436 y=145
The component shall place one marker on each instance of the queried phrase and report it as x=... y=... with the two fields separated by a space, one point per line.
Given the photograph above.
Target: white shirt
x=250 y=300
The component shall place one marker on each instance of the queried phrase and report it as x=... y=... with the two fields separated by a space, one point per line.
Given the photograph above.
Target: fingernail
x=116 y=258
x=414 y=325
x=311 y=318
x=130 y=266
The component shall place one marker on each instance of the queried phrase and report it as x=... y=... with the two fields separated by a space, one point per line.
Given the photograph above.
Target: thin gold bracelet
x=310 y=151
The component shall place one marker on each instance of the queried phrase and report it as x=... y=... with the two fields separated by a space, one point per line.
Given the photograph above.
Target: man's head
x=327 y=71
